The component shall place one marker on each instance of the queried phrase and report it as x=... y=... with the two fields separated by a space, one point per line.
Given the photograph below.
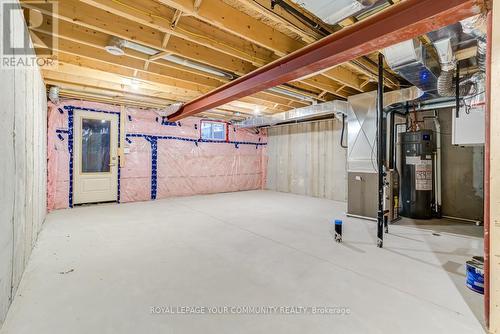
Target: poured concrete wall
x=307 y=159
x=23 y=169
x=462 y=172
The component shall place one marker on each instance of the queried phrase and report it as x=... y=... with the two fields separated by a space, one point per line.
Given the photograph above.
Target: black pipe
x=380 y=151
x=342 y=135
x=311 y=23
x=392 y=157
x=457 y=91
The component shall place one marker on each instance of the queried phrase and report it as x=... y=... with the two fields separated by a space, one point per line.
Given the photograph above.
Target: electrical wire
x=342 y=135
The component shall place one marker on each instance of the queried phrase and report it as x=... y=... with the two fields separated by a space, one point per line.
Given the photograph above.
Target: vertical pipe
x=438 y=172
x=457 y=91
x=392 y=158
x=380 y=151
x=487 y=142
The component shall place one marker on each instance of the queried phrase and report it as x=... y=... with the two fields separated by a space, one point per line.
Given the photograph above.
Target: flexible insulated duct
x=446 y=84
x=476 y=26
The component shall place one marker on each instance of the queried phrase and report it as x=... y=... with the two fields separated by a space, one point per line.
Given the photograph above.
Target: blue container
x=337 y=229
x=475 y=276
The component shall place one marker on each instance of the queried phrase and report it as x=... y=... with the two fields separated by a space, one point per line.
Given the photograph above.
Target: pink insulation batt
x=184 y=168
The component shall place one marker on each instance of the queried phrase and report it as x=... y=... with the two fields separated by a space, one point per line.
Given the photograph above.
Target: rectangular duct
x=410 y=60
x=332 y=12
x=299 y=114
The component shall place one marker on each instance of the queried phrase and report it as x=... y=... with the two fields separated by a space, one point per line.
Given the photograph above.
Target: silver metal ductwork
x=54 y=94
x=336 y=107
x=476 y=27
x=473 y=27
x=411 y=61
x=362 y=126
x=446 y=85
x=332 y=12
x=316 y=110
x=169 y=110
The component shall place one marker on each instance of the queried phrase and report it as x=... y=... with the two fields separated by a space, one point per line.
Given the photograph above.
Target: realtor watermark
x=35 y=46
x=250 y=310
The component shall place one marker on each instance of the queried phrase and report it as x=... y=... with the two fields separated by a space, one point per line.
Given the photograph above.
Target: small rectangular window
x=213 y=130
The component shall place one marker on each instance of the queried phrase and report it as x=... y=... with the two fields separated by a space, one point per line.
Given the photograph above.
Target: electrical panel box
x=468 y=127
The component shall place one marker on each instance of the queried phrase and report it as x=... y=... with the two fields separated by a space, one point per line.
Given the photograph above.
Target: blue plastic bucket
x=475 y=276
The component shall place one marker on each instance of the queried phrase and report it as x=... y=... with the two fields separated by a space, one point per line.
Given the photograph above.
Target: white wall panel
x=307 y=159
x=23 y=167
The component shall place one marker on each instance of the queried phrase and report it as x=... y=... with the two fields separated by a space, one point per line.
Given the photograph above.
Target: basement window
x=213 y=130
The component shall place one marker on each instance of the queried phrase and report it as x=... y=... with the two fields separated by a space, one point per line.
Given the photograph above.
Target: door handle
x=113 y=164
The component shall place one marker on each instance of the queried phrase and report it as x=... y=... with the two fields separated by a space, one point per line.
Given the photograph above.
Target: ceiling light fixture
x=115 y=46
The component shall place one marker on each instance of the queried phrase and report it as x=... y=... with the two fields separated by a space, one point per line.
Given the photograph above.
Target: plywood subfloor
x=100 y=269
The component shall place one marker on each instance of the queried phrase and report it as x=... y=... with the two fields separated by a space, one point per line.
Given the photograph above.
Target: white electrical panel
x=468 y=127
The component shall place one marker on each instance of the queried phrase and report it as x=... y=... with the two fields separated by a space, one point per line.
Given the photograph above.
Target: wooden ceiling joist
x=219 y=35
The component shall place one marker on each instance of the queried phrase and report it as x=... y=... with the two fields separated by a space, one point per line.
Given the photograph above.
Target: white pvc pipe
x=438 y=162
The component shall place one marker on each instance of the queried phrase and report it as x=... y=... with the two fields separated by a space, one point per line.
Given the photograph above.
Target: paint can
x=474 y=271
x=338 y=230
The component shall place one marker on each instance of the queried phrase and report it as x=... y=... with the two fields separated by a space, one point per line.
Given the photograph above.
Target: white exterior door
x=95 y=166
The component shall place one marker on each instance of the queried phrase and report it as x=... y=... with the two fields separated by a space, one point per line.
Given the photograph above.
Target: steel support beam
x=400 y=22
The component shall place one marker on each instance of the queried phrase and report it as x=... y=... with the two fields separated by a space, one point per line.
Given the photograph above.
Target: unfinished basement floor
x=100 y=269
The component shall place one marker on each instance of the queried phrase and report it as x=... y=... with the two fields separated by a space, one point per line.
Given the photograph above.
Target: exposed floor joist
x=401 y=22
x=210 y=32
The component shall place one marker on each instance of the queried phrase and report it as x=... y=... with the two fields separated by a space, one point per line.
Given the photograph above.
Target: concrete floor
x=100 y=269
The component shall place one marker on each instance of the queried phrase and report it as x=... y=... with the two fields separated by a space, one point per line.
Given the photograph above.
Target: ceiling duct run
x=411 y=61
x=471 y=30
x=296 y=115
x=332 y=12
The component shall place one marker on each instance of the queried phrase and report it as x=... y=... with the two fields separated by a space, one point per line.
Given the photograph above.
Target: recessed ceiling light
x=115 y=46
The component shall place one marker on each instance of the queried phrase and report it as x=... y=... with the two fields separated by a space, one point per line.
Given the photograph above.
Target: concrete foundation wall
x=23 y=169
x=462 y=172
x=307 y=159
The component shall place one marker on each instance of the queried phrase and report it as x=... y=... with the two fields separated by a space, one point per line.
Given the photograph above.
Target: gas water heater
x=417 y=154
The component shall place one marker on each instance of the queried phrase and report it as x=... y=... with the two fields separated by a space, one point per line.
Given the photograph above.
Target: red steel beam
x=406 y=20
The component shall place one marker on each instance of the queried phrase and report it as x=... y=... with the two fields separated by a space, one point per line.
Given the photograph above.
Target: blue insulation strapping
x=194 y=140
x=119 y=167
x=154 y=165
x=152 y=139
x=70 y=151
x=91 y=110
x=164 y=121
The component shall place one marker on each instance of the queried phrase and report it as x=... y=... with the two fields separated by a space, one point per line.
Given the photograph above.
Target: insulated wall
x=161 y=159
x=23 y=168
x=307 y=159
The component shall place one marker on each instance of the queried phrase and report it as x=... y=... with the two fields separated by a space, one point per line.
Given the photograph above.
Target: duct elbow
x=445 y=84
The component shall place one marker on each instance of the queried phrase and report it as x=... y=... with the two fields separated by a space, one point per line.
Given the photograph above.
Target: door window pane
x=95 y=145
